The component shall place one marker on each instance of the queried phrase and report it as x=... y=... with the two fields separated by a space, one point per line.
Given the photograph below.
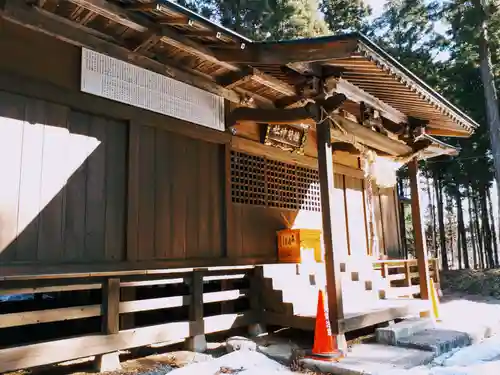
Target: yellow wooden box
x=295 y=245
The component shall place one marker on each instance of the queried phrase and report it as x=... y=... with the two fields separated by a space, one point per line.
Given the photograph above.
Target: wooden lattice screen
x=257 y=180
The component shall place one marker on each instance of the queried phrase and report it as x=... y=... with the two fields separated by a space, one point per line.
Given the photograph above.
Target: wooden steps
x=292 y=290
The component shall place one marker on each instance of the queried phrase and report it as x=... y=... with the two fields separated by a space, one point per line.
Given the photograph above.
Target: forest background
x=452 y=45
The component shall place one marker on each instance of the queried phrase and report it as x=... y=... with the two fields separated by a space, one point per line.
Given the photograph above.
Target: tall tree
x=486 y=9
x=346 y=15
x=264 y=19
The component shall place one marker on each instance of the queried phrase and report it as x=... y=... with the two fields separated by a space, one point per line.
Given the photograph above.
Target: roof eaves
x=375 y=52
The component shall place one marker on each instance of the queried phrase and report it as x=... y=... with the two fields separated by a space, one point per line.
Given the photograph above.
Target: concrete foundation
x=197 y=343
x=108 y=362
x=369 y=359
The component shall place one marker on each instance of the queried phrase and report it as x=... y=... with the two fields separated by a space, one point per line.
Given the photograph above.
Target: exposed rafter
x=126 y=18
x=70 y=32
x=251 y=74
x=358 y=95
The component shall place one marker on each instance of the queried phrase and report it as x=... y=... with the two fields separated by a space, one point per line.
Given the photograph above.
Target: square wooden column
x=420 y=245
x=326 y=184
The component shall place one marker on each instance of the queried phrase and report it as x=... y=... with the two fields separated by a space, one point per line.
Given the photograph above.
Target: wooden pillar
x=197 y=342
x=257 y=327
x=420 y=245
x=110 y=322
x=326 y=183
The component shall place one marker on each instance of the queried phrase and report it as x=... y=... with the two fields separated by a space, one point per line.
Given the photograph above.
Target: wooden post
x=196 y=342
x=326 y=183
x=257 y=328
x=407 y=273
x=384 y=269
x=110 y=322
x=420 y=245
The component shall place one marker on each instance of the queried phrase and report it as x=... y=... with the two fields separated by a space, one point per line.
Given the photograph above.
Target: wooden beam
x=145 y=269
x=203 y=33
x=286 y=53
x=270 y=116
x=358 y=95
x=124 y=17
x=69 y=32
x=326 y=184
x=148 y=6
x=447 y=132
x=258 y=149
x=233 y=79
x=370 y=138
x=49 y=316
x=110 y=11
x=418 y=231
x=175 y=21
x=111 y=306
x=148 y=43
x=45 y=353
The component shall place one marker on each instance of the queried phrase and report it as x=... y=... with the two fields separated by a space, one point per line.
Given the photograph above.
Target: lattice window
x=248 y=179
x=256 y=180
x=281 y=185
x=308 y=189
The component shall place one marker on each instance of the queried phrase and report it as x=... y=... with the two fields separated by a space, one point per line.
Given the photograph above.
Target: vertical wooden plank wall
x=175 y=196
x=389 y=215
x=63 y=183
x=356 y=216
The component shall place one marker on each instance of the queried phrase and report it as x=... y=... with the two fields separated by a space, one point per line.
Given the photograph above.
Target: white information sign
x=110 y=78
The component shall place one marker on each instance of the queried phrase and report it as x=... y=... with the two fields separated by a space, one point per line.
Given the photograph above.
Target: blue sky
x=377 y=6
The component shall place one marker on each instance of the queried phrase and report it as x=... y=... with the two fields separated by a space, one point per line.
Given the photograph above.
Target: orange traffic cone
x=325 y=344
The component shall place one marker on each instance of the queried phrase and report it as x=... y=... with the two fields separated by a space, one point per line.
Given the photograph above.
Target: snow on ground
x=242 y=362
x=483 y=358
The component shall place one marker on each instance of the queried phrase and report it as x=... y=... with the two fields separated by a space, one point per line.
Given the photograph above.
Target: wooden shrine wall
x=88 y=180
x=85 y=179
x=63 y=193
x=269 y=195
x=176 y=197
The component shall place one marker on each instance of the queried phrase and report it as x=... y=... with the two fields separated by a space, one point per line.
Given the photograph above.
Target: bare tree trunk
x=402 y=221
x=433 y=218
x=478 y=233
x=486 y=229
x=493 y=228
x=461 y=231
x=471 y=230
x=442 y=235
x=490 y=92
x=449 y=212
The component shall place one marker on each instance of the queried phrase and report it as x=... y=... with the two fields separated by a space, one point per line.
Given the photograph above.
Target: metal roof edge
x=195 y=16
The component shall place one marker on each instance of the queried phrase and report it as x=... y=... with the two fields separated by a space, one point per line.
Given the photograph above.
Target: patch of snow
x=240 y=362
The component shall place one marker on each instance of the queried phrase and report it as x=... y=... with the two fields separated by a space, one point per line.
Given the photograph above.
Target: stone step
x=436 y=340
x=393 y=333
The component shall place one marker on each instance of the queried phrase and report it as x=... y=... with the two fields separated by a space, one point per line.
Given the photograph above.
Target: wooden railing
x=120 y=310
x=403 y=273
